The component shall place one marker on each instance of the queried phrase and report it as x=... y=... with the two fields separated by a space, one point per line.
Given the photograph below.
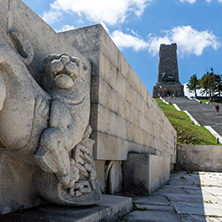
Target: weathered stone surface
x=115 y=177
x=168 y=77
x=16 y=186
x=199 y=157
x=110 y=175
x=159 y=172
x=44 y=116
x=144 y=173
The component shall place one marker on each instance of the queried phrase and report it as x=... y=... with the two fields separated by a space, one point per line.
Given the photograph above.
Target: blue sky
x=139 y=26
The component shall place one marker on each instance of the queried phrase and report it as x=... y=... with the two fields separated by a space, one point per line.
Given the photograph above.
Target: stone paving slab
x=152 y=216
x=194 y=198
x=153 y=200
x=183 y=199
x=217 y=191
x=197 y=208
x=197 y=218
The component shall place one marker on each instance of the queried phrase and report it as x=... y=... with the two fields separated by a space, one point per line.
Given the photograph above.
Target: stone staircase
x=203 y=113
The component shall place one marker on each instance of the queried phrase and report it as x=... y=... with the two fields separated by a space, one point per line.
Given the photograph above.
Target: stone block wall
x=124 y=116
x=199 y=157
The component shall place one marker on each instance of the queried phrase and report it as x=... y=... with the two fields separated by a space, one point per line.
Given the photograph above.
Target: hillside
x=187 y=132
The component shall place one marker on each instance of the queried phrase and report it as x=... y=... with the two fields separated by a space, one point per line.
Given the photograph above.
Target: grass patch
x=187 y=132
x=208 y=201
x=215 y=216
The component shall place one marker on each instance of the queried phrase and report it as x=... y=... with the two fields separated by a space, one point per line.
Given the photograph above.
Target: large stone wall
x=199 y=157
x=124 y=116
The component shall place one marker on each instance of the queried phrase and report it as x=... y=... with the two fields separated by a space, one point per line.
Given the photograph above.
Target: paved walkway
x=203 y=113
x=190 y=197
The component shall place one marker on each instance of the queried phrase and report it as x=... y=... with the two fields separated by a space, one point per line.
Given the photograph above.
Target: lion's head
x=65 y=70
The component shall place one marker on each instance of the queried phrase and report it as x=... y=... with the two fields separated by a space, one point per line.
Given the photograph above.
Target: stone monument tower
x=168 y=83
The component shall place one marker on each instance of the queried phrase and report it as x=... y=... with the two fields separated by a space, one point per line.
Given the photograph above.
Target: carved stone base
x=83 y=193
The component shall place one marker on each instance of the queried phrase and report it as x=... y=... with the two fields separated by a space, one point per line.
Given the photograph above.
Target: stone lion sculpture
x=48 y=126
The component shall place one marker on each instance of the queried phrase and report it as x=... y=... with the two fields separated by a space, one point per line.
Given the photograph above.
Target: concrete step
x=109 y=209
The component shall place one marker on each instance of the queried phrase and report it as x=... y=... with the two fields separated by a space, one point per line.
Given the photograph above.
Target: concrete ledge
x=109 y=209
x=199 y=157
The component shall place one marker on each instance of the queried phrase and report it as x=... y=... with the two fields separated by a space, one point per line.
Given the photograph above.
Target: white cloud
x=51 y=16
x=193 y=1
x=189 y=1
x=209 y=1
x=66 y=28
x=109 y=12
x=154 y=43
x=128 y=41
x=189 y=40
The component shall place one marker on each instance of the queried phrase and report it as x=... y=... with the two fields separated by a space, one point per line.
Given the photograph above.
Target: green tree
x=218 y=84
x=193 y=84
x=207 y=83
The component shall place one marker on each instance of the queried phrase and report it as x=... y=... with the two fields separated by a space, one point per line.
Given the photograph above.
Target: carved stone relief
x=45 y=126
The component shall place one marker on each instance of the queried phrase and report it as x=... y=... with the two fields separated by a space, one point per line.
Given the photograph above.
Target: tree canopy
x=193 y=84
x=210 y=83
